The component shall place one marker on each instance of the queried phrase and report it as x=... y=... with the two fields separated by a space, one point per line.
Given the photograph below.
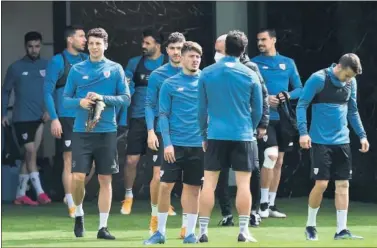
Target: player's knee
x=341 y=187
x=321 y=185
x=104 y=180
x=132 y=161
x=166 y=188
x=79 y=177
x=30 y=148
x=270 y=157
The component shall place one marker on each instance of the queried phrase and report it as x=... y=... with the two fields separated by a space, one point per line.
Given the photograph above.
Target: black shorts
x=67 y=127
x=156 y=158
x=331 y=162
x=238 y=155
x=137 y=137
x=26 y=131
x=187 y=168
x=98 y=147
x=274 y=137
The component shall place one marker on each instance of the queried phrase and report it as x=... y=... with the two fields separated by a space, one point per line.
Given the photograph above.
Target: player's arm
x=202 y=107
x=256 y=101
x=123 y=97
x=295 y=82
x=151 y=100
x=353 y=113
x=312 y=86
x=129 y=71
x=7 y=88
x=53 y=73
x=266 y=107
x=69 y=100
x=164 y=113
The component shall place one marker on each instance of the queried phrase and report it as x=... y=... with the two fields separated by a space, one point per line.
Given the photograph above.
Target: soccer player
x=182 y=143
x=332 y=92
x=138 y=70
x=222 y=189
x=63 y=118
x=278 y=73
x=174 y=45
x=96 y=79
x=230 y=108
x=25 y=77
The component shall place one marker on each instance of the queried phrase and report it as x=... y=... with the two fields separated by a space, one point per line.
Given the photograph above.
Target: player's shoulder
x=160 y=71
x=209 y=69
x=256 y=59
x=318 y=77
x=285 y=59
x=80 y=66
x=135 y=60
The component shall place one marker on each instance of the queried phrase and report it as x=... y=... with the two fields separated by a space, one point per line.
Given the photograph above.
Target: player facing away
x=230 y=108
x=332 y=92
x=182 y=143
x=174 y=45
x=279 y=72
x=90 y=82
x=63 y=118
x=25 y=77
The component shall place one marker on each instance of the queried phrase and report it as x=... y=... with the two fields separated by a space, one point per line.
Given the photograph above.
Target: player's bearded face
x=96 y=47
x=174 y=52
x=33 y=48
x=265 y=42
x=191 y=60
x=78 y=40
x=150 y=46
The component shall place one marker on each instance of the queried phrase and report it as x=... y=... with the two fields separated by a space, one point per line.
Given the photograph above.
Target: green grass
x=49 y=226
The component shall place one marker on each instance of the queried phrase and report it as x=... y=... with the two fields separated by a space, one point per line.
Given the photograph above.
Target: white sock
x=312 y=216
x=184 y=220
x=162 y=218
x=34 y=177
x=79 y=211
x=341 y=220
x=128 y=194
x=253 y=212
x=103 y=220
x=191 y=223
x=244 y=223
x=271 y=198
x=264 y=195
x=203 y=223
x=22 y=185
x=154 y=209
x=69 y=200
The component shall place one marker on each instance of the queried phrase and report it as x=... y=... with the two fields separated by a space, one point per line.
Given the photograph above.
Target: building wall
x=17 y=18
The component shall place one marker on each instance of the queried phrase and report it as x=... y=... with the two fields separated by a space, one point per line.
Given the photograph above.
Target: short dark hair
x=352 y=61
x=271 y=32
x=192 y=46
x=158 y=37
x=33 y=35
x=71 y=30
x=175 y=37
x=235 y=43
x=99 y=33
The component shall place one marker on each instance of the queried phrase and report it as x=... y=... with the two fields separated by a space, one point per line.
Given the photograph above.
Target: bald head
x=220 y=44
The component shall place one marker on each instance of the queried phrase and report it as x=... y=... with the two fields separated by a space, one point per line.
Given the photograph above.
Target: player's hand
x=205 y=145
x=86 y=103
x=169 y=154
x=94 y=96
x=364 y=145
x=153 y=140
x=305 y=142
x=273 y=101
x=5 y=121
x=45 y=117
x=261 y=132
x=56 y=129
x=282 y=97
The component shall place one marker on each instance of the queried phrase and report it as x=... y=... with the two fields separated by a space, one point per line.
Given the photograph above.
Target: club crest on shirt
x=106 y=74
x=315 y=171
x=42 y=72
x=282 y=66
x=24 y=136
x=127 y=80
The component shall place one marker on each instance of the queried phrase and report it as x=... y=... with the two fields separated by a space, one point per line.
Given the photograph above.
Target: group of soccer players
x=194 y=125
